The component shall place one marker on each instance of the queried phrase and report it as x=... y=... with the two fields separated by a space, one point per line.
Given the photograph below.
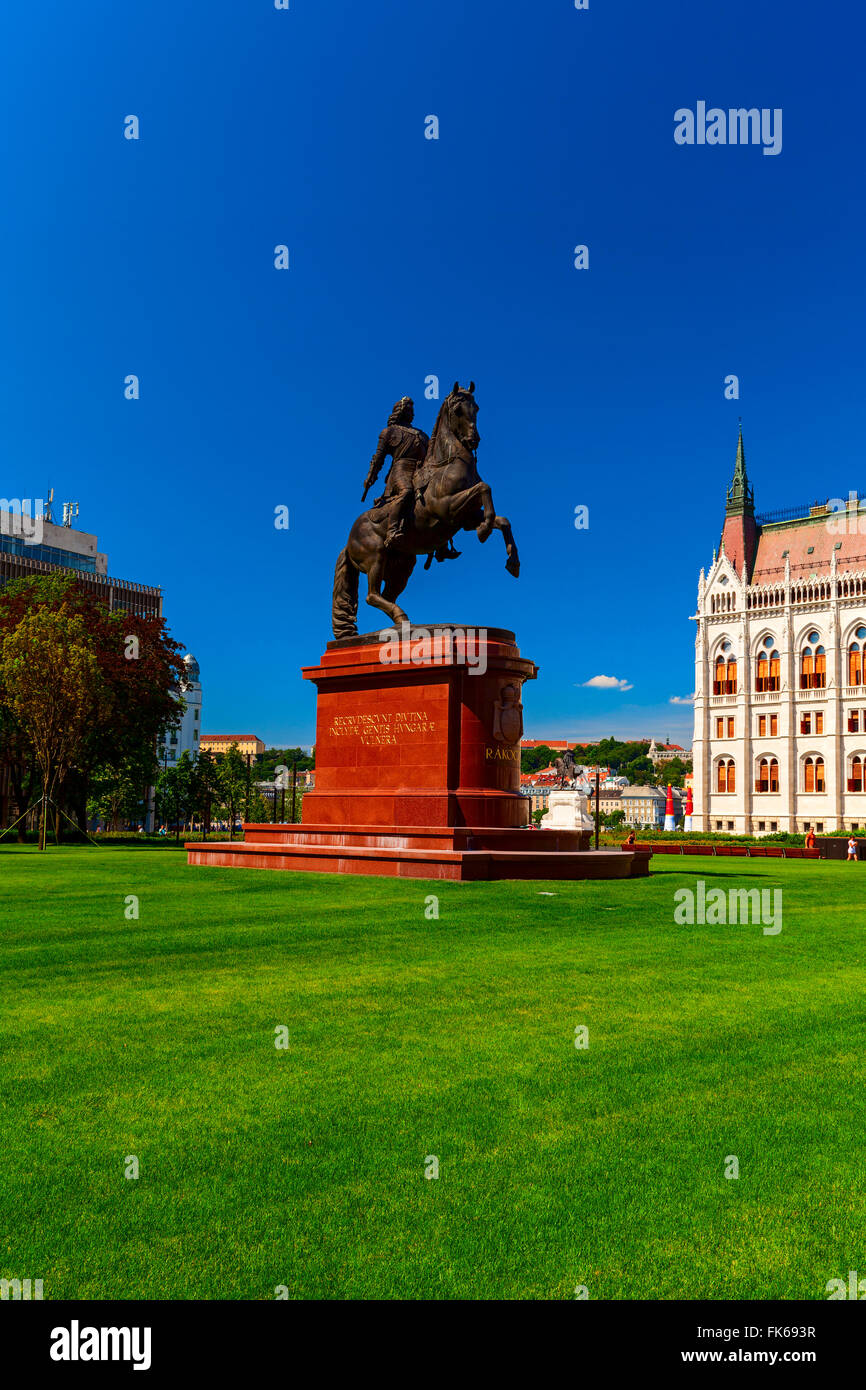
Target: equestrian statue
x=432 y=491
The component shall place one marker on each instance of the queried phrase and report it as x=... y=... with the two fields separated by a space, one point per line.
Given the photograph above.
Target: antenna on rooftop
x=46 y=510
x=70 y=510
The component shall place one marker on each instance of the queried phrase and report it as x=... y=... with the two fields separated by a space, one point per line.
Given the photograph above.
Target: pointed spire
x=740 y=499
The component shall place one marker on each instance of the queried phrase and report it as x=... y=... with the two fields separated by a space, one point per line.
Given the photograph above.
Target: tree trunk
x=23 y=795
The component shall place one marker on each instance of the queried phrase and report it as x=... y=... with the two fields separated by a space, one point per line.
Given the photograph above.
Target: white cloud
x=608 y=683
x=682 y=700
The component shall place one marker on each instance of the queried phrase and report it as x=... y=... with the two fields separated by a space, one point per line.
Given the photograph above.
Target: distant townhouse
x=248 y=744
x=609 y=800
x=659 y=753
x=645 y=805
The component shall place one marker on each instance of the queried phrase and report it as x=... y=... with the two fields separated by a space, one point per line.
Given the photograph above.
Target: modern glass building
x=32 y=545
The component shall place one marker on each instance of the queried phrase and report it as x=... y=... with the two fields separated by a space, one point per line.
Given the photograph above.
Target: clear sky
x=409 y=257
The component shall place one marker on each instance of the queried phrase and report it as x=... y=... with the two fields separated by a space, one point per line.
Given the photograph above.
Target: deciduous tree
x=53 y=685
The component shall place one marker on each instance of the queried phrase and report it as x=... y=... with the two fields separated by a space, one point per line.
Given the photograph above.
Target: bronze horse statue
x=450 y=497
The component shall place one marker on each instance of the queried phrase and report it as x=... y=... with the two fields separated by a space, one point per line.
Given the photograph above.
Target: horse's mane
x=436 y=428
x=439 y=420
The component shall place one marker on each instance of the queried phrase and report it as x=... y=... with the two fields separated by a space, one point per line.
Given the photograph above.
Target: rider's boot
x=447 y=552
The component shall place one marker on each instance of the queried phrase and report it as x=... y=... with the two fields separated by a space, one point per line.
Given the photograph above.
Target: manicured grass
x=411 y=1037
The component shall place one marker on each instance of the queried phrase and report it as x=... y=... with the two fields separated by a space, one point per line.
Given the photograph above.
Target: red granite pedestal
x=418 y=770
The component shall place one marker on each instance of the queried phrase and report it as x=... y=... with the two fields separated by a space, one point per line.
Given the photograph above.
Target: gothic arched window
x=813 y=664
x=767 y=779
x=767 y=668
x=813 y=775
x=856 y=654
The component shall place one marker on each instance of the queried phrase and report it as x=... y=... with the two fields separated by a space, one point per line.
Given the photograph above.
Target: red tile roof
x=801 y=536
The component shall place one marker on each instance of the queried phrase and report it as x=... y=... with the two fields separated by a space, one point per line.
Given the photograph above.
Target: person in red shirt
x=630 y=840
x=810 y=838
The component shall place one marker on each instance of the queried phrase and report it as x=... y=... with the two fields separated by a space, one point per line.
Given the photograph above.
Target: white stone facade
x=186 y=738
x=807 y=718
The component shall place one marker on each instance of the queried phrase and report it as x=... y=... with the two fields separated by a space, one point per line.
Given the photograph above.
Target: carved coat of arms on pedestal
x=508 y=715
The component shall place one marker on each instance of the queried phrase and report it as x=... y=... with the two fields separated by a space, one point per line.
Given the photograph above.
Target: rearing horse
x=454 y=499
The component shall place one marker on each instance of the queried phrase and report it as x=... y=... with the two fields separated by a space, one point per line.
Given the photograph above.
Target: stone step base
x=453 y=837
x=462 y=865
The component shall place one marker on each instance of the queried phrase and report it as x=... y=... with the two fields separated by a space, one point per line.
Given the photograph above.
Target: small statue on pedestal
x=566 y=770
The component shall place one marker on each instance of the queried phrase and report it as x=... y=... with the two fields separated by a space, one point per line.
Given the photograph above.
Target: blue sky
x=412 y=257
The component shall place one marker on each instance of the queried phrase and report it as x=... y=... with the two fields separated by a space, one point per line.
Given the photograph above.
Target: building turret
x=740 y=536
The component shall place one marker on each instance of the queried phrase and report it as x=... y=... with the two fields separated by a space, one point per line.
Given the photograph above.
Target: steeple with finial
x=740 y=535
x=740 y=499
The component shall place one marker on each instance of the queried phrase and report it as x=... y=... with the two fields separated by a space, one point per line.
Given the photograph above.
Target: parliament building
x=780 y=655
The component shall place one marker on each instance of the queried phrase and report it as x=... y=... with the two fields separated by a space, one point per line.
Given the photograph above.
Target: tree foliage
x=534 y=759
x=109 y=683
x=175 y=790
x=272 y=758
x=233 y=780
x=53 y=687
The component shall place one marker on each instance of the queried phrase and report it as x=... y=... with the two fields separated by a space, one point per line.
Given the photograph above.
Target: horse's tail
x=344 y=618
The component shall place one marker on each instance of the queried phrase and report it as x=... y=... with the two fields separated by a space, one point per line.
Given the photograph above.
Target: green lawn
x=411 y=1037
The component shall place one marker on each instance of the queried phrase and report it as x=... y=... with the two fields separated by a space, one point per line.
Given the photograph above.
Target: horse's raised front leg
x=463 y=510
x=489 y=521
x=512 y=564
